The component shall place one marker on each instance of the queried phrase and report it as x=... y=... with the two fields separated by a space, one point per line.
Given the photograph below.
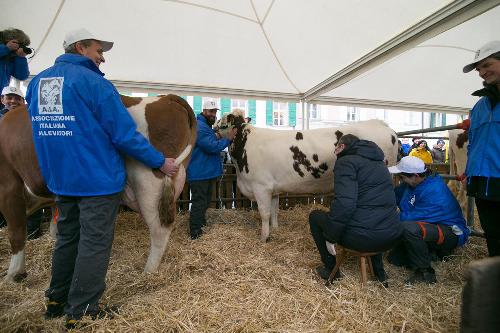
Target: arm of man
x=21 y=70
x=4 y=50
x=121 y=128
x=208 y=142
x=346 y=191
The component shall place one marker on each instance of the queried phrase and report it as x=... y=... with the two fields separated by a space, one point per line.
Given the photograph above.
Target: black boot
x=427 y=275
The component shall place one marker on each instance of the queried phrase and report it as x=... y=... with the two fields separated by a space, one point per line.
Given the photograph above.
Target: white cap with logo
x=12 y=91
x=82 y=34
x=484 y=52
x=210 y=105
x=408 y=164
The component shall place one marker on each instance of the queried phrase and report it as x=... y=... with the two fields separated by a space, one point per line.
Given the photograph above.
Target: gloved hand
x=464 y=125
x=461 y=177
x=169 y=168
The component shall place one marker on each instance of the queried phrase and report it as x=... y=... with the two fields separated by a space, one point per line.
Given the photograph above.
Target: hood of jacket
x=78 y=60
x=365 y=148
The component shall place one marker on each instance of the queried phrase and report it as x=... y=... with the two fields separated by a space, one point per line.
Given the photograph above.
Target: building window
x=239 y=104
x=314 y=111
x=352 y=114
x=279 y=112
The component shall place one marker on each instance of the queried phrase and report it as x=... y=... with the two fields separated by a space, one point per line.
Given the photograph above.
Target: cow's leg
x=153 y=194
x=263 y=198
x=274 y=211
x=13 y=208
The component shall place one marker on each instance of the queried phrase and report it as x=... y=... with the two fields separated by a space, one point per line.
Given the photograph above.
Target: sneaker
x=324 y=273
x=426 y=275
x=54 y=309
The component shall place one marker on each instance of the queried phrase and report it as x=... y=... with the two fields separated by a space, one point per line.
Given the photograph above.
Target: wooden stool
x=364 y=259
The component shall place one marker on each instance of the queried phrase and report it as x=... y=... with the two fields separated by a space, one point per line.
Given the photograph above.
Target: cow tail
x=166 y=206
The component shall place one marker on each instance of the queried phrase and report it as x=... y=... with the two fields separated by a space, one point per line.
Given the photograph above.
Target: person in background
x=483 y=151
x=406 y=146
x=205 y=166
x=99 y=131
x=363 y=214
x=431 y=218
x=422 y=152
x=439 y=152
x=11 y=98
x=13 y=60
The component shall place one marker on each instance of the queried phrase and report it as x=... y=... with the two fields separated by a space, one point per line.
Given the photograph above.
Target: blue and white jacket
x=432 y=201
x=206 y=162
x=81 y=129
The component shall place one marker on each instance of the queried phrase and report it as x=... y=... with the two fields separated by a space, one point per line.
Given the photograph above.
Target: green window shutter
x=269 y=113
x=197 y=101
x=433 y=120
x=443 y=119
x=292 y=114
x=152 y=95
x=252 y=110
x=225 y=106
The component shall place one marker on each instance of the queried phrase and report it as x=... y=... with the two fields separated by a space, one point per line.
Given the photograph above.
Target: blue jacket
x=11 y=66
x=431 y=201
x=206 y=162
x=483 y=157
x=81 y=128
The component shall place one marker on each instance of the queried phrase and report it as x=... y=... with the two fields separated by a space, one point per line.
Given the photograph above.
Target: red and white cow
x=457 y=153
x=167 y=121
x=270 y=162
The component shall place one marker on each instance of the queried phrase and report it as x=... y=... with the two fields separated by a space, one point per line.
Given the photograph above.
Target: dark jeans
x=322 y=230
x=416 y=249
x=488 y=216
x=201 y=193
x=85 y=231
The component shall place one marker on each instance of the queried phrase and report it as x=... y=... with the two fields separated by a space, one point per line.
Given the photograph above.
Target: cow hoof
x=20 y=277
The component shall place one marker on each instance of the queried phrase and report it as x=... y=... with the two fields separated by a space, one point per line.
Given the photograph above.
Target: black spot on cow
x=462 y=138
x=315 y=157
x=338 y=134
x=237 y=149
x=299 y=136
x=300 y=160
x=393 y=139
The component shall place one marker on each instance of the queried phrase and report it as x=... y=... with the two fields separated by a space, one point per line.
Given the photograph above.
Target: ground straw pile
x=228 y=281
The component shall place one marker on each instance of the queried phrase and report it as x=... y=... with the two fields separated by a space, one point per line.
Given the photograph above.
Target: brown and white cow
x=270 y=162
x=167 y=121
x=457 y=152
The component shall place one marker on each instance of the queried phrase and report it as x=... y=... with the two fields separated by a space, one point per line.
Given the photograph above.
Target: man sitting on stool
x=431 y=217
x=363 y=214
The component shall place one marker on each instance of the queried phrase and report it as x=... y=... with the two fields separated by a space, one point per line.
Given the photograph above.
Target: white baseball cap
x=12 y=91
x=210 y=105
x=484 y=52
x=408 y=164
x=82 y=34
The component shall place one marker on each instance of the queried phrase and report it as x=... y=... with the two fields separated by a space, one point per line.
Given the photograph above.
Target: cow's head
x=229 y=121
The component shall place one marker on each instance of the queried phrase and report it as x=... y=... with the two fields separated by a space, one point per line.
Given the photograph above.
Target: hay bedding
x=228 y=281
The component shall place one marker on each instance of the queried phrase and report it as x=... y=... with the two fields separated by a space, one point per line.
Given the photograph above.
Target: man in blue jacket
x=205 y=166
x=483 y=151
x=80 y=131
x=431 y=217
x=13 y=60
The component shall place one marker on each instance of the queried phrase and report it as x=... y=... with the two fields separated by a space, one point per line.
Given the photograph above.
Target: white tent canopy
x=384 y=53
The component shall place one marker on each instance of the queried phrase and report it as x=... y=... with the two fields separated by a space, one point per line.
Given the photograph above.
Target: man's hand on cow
x=169 y=168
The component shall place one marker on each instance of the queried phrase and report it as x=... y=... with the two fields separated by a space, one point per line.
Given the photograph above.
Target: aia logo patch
x=50 y=95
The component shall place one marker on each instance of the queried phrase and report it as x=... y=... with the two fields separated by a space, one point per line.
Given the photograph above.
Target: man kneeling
x=431 y=216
